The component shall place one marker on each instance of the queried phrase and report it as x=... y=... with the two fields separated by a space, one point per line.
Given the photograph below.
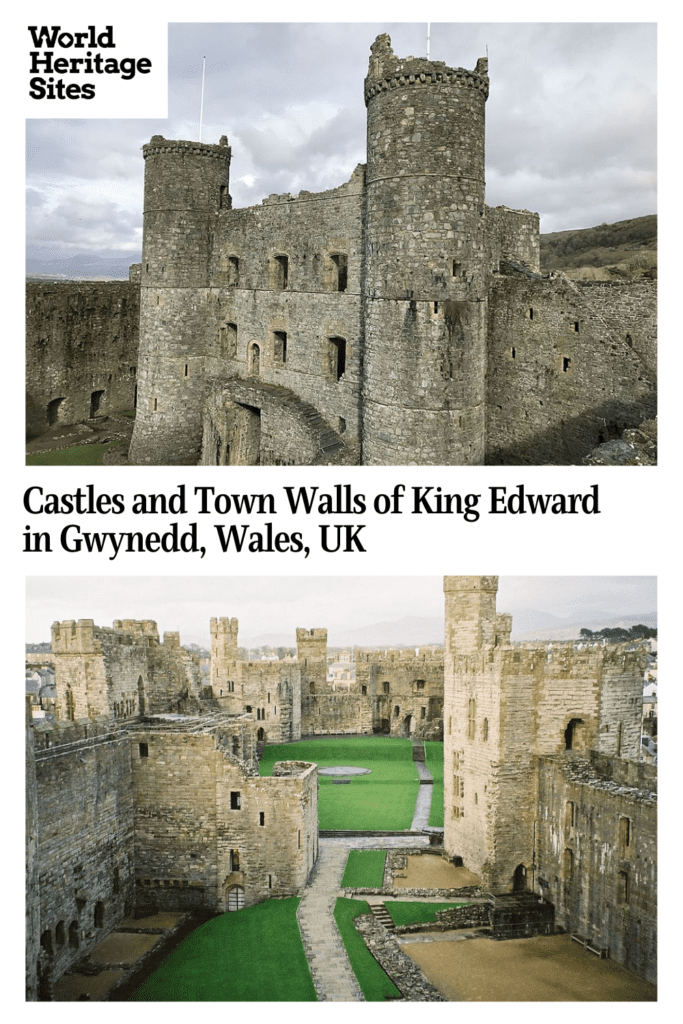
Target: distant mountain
x=593 y=621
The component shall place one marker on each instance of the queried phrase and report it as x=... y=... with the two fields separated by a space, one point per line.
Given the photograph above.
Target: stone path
x=424 y=798
x=333 y=977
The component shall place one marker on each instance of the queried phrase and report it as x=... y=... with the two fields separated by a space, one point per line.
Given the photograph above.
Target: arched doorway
x=255 y=360
x=408 y=725
x=235 y=898
x=519 y=879
x=573 y=735
x=261 y=735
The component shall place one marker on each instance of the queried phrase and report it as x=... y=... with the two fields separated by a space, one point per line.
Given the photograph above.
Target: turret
x=424 y=295
x=186 y=184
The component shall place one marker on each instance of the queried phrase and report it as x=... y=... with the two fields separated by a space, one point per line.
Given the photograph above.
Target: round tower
x=424 y=287
x=186 y=184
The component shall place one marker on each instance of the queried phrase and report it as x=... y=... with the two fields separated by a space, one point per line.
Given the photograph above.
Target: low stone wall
x=404 y=972
x=474 y=915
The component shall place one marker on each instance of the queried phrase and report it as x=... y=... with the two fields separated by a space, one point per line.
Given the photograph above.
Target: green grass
x=253 y=955
x=412 y=913
x=385 y=799
x=374 y=983
x=76 y=455
x=434 y=759
x=364 y=869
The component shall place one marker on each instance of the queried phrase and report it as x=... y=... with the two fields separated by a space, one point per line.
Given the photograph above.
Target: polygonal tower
x=424 y=287
x=186 y=183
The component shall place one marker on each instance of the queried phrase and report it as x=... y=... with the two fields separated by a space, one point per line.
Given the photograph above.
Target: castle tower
x=224 y=658
x=186 y=183
x=80 y=675
x=424 y=294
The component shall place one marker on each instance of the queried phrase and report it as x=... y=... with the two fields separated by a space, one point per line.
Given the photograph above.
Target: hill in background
x=625 y=251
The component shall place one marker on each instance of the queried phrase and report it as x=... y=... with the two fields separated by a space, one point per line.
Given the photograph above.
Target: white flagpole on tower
x=201 y=106
x=428 y=31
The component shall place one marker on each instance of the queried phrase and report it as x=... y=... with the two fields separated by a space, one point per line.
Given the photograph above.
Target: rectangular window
x=262 y=818
x=144 y=750
x=341 y=263
x=279 y=347
x=234 y=860
x=235 y=801
x=623 y=887
x=471 y=713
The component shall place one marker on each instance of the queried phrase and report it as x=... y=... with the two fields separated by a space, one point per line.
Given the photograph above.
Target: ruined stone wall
x=597 y=857
x=205 y=822
x=81 y=350
x=121 y=672
x=84 y=840
x=629 y=309
x=406 y=691
x=33 y=929
x=561 y=378
x=513 y=236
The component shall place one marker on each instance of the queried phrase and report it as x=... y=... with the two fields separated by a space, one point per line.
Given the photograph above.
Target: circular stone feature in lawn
x=343 y=770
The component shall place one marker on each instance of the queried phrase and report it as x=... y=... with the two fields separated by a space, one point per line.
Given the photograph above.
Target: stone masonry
x=393 y=320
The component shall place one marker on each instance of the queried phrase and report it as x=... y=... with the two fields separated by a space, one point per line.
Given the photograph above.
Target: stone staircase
x=382 y=916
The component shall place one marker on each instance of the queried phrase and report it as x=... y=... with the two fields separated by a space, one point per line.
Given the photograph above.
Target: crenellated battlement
x=387 y=71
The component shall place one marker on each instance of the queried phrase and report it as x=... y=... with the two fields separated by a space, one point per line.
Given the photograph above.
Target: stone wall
x=563 y=375
x=597 y=856
x=84 y=840
x=81 y=350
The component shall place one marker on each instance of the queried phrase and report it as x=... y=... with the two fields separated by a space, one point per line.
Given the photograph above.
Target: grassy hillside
x=626 y=250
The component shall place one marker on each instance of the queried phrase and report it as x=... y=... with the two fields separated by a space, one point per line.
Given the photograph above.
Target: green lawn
x=255 y=955
x=76 y=455
x=411 y=913
x=374 y=983
x=385 y=799
x=434 y=760
x=364 y=869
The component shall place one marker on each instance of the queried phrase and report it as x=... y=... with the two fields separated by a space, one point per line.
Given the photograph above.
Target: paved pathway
x=424 y=798
x=330 y=968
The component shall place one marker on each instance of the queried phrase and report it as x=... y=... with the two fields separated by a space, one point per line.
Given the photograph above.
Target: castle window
x=255 y=360
x=227 y=341
x=423 y=712
x=260 y=735
x=436 y=307
x=471 y=715
x=70 y=704
x=457 y=269
x=270 y=881
x=234 y=860
x=186 y=369
x=248 y=709
x=568 y=861
x=299 y=839
x=144 y=750
x=99 y=915
x=223 y=197
x=531 y=314
x=60 y=933
x=364 y=691
x=565 y=364
x=570 y=814
x=280 y=347
x=235 y=745
x=513 y=353
x=311 y=687
x=233 y=267
x=342 y=425
x=623 y=887
x=336 y=357
x=485 y=729
x=397 y=711
x=279 y=272
x=341 y=266
x=576 y=326
x=419 y=684
x=262 y=818
x=385 y=687
x=624 y=833
x=235 y=801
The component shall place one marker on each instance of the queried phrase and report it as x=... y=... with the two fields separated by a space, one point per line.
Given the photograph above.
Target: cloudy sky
x=571 y=123
x=280 y=604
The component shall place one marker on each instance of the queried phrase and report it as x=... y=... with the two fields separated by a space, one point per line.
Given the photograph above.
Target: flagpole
x=201 y=106
x=428 y=31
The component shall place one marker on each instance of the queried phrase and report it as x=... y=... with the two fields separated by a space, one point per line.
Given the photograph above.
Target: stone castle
x=393 y=320
x=544 y=789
